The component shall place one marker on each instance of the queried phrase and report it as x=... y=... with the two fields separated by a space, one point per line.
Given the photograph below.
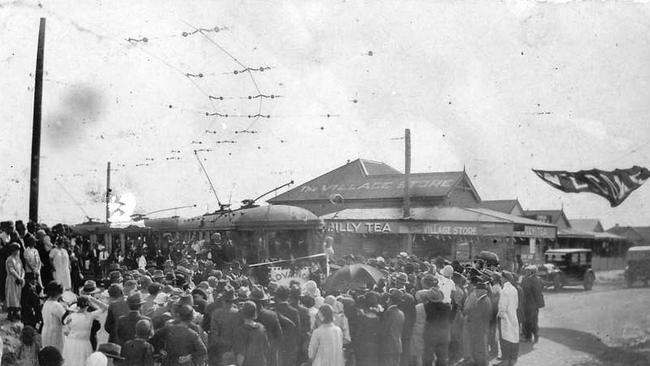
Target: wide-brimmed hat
x=90 y=287
x=228 y=293
x=395 y=295
x=258 y=294
x=185 y=299
x=135 y=299
x=200 y=292
x=111 y=350
x=158 y=274
x=115 y=277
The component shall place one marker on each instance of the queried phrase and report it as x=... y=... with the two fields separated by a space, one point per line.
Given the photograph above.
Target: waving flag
x=615 y=185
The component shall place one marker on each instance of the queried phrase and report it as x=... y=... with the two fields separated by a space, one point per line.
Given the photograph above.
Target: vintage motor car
x=638 y=265
x=567 y=267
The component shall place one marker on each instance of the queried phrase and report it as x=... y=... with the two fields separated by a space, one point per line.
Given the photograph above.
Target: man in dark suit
x=223 y=322
x=533 y=300
x=126 y=323
x=305 y=322
x=270 y=321
x=291 y=340
x=392 y=324
x=117 y=307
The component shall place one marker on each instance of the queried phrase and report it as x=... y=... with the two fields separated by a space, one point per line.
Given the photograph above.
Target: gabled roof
x=592 y=225
x=505 y=206
x=365 y=179
x=555 y=215
x=642 y=231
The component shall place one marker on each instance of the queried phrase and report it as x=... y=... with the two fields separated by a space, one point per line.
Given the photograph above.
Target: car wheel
x=557 y=284
x=589 y=282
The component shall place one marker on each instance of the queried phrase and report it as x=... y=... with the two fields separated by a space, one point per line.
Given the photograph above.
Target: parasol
x=352 y=276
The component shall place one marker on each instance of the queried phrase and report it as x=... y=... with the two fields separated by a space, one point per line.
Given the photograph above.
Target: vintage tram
x=258 y=233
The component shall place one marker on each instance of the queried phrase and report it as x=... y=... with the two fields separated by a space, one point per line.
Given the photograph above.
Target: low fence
x=607 y=263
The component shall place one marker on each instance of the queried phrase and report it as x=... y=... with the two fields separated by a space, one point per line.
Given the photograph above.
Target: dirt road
x=609 y=325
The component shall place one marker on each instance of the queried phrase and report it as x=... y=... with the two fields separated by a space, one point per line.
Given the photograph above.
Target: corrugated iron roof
x=364 y=179
x=572 y=233
x=504 y=206
x=511 y=218
x=586 y=224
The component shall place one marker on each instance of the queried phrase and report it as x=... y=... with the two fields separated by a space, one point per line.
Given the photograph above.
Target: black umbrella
x=352 y=276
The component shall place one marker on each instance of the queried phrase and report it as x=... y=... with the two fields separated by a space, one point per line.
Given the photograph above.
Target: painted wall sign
x=368 y=186
x=536 y=232
x=361 y=227
x=451 y=229
x=439 y=228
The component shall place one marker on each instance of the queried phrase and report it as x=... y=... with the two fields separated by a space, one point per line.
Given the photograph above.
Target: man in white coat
x=445 y=283
x=508 y=322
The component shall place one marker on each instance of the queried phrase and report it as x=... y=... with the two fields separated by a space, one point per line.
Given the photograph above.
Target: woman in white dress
x=14 y=282
x=61 y=265
x=53 y=311
x=326 y=343
x=77 y=346
x=90 y=289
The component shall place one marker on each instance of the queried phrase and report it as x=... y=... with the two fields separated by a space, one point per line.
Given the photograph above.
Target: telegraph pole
x=408 y=244
x=108 y=189
x=407 y=172
x=36 y=127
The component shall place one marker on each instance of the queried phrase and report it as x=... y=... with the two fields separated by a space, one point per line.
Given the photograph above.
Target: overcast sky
x=496 y=87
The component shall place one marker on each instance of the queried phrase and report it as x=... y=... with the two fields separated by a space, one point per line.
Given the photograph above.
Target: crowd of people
x=189 y=309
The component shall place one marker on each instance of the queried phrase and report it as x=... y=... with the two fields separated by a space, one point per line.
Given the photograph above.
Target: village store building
x=361 y=203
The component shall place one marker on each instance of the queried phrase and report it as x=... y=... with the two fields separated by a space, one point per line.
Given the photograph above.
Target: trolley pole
x=36 y=127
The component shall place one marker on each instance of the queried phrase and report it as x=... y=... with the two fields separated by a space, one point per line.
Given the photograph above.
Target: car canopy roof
x=638 y=253
x=568 y=250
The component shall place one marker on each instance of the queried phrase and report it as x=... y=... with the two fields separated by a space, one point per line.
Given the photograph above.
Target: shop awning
x=436 y=220
x=573 y=233
x=577 y=234
x=608 y=236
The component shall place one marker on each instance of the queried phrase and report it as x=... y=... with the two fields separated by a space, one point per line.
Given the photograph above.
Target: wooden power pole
x=108 y=189
x=36 y=127
x=407 y=172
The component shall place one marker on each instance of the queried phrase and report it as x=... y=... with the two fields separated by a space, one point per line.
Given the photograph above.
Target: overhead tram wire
x=246 y=69
x=73 y=200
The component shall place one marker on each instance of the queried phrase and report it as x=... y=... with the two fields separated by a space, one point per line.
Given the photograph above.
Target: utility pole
x=36 y=127
x=408 y=245
x=108 y=189
x=407 y=172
